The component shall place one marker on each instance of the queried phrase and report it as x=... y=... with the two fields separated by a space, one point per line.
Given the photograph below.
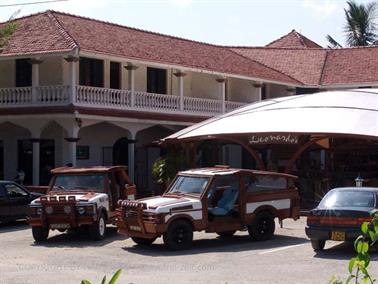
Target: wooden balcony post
x=35 y=78
x=222 y=91
x=72 y=61
x=180 y=75
x=131 y=81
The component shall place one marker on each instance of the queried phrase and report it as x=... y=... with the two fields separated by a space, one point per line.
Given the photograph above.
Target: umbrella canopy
x=332 y=113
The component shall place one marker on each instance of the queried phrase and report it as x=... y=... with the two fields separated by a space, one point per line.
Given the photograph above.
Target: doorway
x=47 y=159
x=121 y=151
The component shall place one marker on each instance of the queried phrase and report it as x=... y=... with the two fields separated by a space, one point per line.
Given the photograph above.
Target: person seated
x=226 y=203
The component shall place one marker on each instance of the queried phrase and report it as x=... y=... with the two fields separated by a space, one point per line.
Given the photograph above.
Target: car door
x=4 y=204
x=19 y=200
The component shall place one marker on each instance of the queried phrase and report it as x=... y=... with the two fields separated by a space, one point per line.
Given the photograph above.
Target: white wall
x=205 y=86
x=51 y=71
x=10 y=134
x=239 y=90
x=96 y=137
x=7 y=73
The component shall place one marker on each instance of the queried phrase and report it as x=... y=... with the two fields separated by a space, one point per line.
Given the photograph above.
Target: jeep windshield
x=189 y=185
x=82 y=182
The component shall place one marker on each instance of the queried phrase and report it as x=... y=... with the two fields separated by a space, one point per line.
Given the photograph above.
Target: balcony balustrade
x=110 y=98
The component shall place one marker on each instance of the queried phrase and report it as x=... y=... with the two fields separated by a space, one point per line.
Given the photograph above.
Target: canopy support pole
x=301 y=149
x=259 y=162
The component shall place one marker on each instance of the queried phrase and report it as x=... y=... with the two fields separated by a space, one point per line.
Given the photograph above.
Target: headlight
x=85 y=209
x=49 y=210
x=67 y=209
x=81 y=210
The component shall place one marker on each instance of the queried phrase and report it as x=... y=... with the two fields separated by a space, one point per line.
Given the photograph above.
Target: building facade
x=84 y=92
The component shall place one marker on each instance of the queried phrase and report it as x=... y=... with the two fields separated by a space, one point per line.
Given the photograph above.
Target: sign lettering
x=274 y=139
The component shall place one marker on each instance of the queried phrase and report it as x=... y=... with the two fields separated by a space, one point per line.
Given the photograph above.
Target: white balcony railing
x=111 y=98
x=15 y=96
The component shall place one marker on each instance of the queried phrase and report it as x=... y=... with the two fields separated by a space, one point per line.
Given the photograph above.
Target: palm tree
x=360 y=28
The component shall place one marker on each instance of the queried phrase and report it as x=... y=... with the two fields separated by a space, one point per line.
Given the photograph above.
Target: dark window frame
x=91 y=72
x=157 y=80
x=23 y=72
x=115 y=75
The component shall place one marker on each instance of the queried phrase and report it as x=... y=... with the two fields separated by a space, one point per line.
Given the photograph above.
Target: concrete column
x=36 y=160
x=258 y=86
x=72 y=143
x=35 y=78
x=131 y=165
x=222 y=92
x=180 y=76
x=72 y=62
x=131 y=81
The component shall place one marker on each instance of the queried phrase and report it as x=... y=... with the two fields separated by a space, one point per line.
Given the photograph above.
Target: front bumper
x=325 y=232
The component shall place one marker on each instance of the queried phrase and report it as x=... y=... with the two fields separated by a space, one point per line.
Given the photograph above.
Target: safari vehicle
x=80 y=197
x=219 y=199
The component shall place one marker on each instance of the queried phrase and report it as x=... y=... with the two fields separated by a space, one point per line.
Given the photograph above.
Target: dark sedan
x=340 y=214
x=14 y=201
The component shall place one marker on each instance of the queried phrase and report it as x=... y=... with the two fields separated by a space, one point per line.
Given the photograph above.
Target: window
x=23 y=73
x=264 y=183
x=156 y=80
x=91 y=72
x=115 y=75
x=14 y=191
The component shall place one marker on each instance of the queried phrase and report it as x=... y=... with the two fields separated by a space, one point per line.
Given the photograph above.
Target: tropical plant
x=165 y=169
x=112 y=281
x=360 y=28
x=359 y=265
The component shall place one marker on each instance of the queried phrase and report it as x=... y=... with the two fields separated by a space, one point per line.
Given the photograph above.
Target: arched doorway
x=121 y=151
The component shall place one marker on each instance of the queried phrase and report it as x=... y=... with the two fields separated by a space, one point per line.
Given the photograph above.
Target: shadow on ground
x=13 y=226
x=216 y=244
x=79 y=239
x=342 y=251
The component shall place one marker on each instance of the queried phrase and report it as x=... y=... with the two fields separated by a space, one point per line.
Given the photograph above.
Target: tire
x=318 y=245
x=40 y=234
x=226 y=234
x=179 y=235
x=143 y=241
x=263 y=227
x=98 y=229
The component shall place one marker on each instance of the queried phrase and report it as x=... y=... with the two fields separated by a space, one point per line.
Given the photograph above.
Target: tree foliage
x=360 y=28
x=6 y=30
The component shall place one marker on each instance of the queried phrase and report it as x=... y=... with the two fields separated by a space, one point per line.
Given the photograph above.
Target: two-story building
x=87 y=92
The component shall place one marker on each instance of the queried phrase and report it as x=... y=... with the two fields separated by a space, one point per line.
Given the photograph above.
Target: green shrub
x=112 y=281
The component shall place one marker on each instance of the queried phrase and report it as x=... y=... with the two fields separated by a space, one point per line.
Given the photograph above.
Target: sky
x=224 y=22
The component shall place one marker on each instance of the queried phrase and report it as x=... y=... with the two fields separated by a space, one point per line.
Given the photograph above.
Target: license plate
x=59 y=226
x=135 y=228
x=338 y=236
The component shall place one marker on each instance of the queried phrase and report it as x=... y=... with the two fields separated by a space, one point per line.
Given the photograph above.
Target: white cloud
x=181 y=2
x=323 y=8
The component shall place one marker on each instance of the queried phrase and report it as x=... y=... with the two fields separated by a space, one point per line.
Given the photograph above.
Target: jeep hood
x=79 y=196
x=160 y=204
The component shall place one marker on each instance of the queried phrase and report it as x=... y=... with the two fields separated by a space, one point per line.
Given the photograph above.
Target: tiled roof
x=293 y=40
x=358 y=65
x=39 y=33
x=304 y=65
x=54 y=31
x=292 y=59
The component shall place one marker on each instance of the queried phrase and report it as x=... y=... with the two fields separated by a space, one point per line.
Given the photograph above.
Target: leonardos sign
x=274 y=139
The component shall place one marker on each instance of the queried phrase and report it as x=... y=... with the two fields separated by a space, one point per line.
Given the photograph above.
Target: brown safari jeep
x=80 y=197
x=220 y=199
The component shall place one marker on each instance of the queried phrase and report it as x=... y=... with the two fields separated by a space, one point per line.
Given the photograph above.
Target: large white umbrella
x=352 y=113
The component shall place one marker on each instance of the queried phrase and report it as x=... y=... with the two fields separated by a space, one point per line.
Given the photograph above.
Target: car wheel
x=263 y=227
x=143 y=241
x=179 y=235
x=318 y=245
x=226 y=234
x=98 y=229
x=40 y=234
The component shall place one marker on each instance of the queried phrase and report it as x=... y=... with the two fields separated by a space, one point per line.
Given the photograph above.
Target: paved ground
x=68 y=258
